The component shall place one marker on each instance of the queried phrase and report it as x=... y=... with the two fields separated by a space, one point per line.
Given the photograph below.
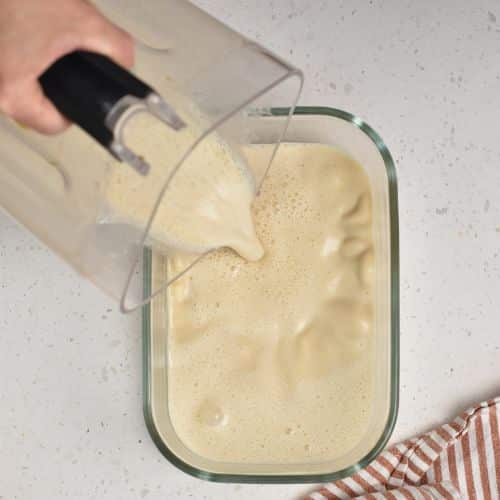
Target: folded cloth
x=459 y=460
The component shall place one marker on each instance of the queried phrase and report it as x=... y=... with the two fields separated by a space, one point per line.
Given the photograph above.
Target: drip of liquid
x=208 y=203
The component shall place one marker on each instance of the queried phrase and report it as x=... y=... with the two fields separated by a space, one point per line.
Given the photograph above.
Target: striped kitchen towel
x=460 y=460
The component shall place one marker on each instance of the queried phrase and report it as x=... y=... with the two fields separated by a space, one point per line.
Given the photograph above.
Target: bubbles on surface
x=283 y=350
x=211 y=414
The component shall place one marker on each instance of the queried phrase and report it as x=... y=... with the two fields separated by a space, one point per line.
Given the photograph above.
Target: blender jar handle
x=85 y=87
x=100 y=96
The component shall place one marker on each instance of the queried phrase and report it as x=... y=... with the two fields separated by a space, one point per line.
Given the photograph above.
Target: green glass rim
x=394 y=341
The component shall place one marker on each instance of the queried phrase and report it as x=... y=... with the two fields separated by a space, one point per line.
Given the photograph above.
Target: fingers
x=31 y=108
x=106 y=38
x=34 y=45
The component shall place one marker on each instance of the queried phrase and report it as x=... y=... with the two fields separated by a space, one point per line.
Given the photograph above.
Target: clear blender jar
x=56 y=186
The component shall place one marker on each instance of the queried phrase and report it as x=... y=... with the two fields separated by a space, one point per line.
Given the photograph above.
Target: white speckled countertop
x=426 y=76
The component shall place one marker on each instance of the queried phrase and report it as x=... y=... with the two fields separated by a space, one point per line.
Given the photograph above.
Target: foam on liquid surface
x=272 y=360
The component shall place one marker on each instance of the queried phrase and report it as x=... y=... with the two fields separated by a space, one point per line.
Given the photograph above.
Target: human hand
x=33 y=35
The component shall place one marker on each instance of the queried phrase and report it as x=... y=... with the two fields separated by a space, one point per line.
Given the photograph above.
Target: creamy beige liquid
x=208 y=203
x=271 y=361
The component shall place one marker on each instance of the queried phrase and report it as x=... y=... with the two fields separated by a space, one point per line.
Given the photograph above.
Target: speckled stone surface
x=426 y=76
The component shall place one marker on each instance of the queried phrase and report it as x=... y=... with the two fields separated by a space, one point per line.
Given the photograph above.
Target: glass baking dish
x=349 y=133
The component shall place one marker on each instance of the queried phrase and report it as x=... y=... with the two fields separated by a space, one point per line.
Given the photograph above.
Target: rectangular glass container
x=350 y=134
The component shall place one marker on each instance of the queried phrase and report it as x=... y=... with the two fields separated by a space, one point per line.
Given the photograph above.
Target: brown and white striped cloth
x=460 y=460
